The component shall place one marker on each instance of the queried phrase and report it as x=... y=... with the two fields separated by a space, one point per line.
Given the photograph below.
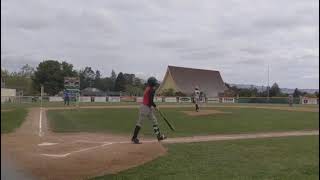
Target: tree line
x=51 y=73
x=274 y=91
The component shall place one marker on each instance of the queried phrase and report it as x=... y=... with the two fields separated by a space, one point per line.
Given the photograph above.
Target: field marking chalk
x=40 y=123
x=56 y=155
x=47 y=144
x=72 y=152
x=88 y=141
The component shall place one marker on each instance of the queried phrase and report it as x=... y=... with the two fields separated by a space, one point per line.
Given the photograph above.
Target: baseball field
x=222 y=141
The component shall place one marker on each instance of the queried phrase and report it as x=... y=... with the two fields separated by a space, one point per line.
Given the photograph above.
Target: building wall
x=7 y=94
x=167 y=83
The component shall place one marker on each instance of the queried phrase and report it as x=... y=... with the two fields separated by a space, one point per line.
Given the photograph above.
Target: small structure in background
x=8 y=95
x=184 y=80
x=92 y=92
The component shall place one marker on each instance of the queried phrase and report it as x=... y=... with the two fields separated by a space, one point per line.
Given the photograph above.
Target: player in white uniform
x=196 y=97
x=290 y=100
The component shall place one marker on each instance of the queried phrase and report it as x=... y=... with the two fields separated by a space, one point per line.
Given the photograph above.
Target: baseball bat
x=166 y=120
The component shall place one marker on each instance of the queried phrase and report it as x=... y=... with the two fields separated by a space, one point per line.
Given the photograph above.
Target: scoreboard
x=72 y=85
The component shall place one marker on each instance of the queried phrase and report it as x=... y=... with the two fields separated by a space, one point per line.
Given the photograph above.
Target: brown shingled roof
x=186 y=79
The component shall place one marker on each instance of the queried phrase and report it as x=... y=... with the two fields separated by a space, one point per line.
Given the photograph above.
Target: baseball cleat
x=162 y=137
x=135 y=141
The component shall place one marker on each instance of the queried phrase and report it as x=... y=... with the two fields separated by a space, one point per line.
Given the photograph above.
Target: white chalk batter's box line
x=247 y=136
x=103 y=144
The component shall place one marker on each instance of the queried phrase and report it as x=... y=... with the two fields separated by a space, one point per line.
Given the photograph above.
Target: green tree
x=20 y=83
x=120 y=83
x=106 y=84
x=168 y=92
x=227 y=85
x=113 y=78
x=275 y=90
x=134 y=90
x=26 y=71
x=67 y=70
x=97 y=80
x=180 y=94
x=297 y=93
x=50 y=74
x=21 y=80
x=129 y=78
x=4 y=73
x=87 y=77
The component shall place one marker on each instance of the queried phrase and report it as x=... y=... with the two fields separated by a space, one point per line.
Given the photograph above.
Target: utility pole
x=268 y=87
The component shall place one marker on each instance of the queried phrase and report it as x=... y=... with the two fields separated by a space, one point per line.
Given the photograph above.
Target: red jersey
x=148 y=96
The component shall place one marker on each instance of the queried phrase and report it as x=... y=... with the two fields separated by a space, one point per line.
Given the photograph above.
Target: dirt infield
x=72 y=155
x=204 y=112
x=48 y=155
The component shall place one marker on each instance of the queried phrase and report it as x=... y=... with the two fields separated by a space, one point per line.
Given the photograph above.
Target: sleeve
x=151 y=98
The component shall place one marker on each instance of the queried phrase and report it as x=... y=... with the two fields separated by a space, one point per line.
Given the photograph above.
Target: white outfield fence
x=158 y=99
x=308 y=100
x=55 y=99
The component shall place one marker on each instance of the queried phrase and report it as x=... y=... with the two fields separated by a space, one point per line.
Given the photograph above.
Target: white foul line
x=191 y=139
x=47 y=144
x=40 y=123
x=81 y=150
x=90 y=148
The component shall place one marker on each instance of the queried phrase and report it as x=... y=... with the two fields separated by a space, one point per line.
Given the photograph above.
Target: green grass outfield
x=11 y=120
x=290 y=158
x=240 y=120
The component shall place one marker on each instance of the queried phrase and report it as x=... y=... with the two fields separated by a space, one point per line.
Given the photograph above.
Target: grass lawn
x=240 y=120
x=278 y=158
x=11 y=120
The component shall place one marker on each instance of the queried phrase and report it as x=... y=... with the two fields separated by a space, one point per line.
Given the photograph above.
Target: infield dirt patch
x=204 y=112
x=62 y=156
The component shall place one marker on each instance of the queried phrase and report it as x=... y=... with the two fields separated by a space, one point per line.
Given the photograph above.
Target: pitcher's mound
x=204 y=112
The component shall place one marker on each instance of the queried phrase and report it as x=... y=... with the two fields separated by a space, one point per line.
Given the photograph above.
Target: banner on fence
x=227 y=100
x=127 y=99
x=139 y=99
x=100 y=99
x=157 y=99
x=55 y=99
x=213 y=100
x=114 y=99
x=85 y=99
x=170 y=99
x=306 y=100
x=184 y=99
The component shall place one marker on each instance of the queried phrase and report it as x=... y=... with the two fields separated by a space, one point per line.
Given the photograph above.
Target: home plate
x=47 y=144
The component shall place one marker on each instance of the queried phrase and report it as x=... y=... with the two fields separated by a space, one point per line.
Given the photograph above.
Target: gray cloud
x=238 y=38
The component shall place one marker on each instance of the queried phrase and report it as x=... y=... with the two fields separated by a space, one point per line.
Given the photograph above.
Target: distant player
x=66 y=97
x=147 y=112
x=290 y=100
x=196 y=97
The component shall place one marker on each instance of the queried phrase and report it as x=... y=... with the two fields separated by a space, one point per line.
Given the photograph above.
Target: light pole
x=268 y=87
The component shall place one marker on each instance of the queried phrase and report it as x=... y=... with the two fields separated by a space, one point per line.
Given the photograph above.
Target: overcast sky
x=237 y=37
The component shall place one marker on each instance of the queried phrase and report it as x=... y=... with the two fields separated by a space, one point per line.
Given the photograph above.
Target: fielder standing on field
x=196 y=97
x=290 y=100
x=66 y=97
x=147 y=112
